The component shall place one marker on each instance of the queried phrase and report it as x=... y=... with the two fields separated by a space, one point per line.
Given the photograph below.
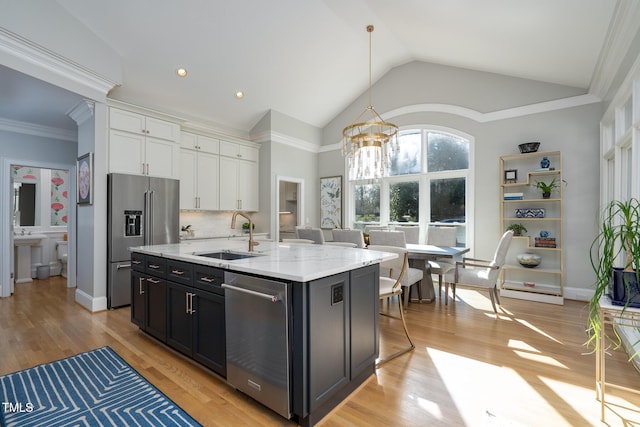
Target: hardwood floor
x=528 y=368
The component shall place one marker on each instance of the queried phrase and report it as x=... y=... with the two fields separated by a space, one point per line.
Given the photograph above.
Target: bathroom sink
x=28 y=239
x=225 y=255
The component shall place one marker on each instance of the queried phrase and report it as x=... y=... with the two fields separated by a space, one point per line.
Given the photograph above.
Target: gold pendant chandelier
x=369 y=141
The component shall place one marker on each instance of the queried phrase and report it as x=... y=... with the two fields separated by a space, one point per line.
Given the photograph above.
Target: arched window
x=429 y=185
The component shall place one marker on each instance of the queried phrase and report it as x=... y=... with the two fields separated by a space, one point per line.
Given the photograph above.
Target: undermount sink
x=225 y=255
x=28 y=239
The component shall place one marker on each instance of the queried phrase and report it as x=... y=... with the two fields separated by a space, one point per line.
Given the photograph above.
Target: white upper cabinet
x=199 y=172
x=238 y=177
x=142 y=145
x=206 y=144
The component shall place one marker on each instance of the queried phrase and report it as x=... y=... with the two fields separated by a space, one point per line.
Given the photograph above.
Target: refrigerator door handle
x=146 y=218
x=150 y=215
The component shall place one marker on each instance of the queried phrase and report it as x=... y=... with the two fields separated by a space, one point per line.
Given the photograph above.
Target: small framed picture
x=510 y=176
x=84 y=171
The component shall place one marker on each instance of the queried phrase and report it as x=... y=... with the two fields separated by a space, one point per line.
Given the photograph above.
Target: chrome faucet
x=233 y=225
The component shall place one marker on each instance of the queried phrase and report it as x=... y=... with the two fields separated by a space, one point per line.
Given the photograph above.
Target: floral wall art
x=59 y=196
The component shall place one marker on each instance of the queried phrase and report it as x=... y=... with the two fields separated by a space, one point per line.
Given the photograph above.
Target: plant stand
x=617 y=316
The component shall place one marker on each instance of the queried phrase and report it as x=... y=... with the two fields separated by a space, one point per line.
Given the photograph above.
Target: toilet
x=61 y=249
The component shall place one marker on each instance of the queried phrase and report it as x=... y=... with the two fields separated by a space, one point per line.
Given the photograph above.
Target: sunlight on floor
x=534 y=328
x=480 y=388
x=525 y=351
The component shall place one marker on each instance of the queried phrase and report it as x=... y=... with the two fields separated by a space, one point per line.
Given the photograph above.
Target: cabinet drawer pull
x=207 y=279
x=154 y=266
x=136 y=262
x=140 y=291
x=178 y=272
x=155 y=282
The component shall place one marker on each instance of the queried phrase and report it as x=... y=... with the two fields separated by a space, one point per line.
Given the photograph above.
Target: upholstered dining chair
x=480 y=273
x=441 y=236
x=397 y=238
x=314 y=234
x=369 y=228
x=411 y=233
x=350 y=236
x=300 y=241
x=343 y=244
x=391 y=274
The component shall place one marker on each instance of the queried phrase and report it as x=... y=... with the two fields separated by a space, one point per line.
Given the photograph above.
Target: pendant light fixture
x=369 y=141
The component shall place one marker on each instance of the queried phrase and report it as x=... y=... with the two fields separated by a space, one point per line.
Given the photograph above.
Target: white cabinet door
x=162 y=158
x=208 y=145
x=126 y=152
x=162 y=129
x=207 y=181
x=228 y=183
x=188 y=179
x=248 y=185
x=127 y=121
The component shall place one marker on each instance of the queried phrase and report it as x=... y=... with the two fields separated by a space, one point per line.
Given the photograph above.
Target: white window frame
x=424 y=179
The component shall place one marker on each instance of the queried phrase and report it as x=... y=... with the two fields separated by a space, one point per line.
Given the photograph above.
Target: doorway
x=289 y=206
x=47 y=206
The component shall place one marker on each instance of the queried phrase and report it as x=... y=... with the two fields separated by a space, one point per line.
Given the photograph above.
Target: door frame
x=6 y=223
x=300 y=203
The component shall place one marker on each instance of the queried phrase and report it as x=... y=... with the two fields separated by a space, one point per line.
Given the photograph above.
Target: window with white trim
x=428 y=185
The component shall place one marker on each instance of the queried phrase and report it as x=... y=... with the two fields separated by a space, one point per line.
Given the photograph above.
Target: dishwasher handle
x=272 y=298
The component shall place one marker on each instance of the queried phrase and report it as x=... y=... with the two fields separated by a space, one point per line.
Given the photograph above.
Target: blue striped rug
x=97 y=388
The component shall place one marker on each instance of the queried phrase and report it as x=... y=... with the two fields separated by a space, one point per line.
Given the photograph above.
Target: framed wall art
x=510 y=176
x=331 y=202
x=84 y=170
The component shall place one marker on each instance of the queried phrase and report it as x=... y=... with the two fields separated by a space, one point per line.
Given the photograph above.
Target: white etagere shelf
x=519 y=174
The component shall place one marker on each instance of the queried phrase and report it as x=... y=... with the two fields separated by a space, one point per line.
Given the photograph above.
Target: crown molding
x=623 y=28
x=290 y=141
x=45 y=60
x=82 y=111
x=509 y=113
x=37 y=130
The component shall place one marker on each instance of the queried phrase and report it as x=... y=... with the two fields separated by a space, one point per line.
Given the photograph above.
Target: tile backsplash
x=209 y=224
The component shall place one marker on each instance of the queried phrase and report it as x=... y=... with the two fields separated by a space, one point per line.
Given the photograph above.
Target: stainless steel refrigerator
x=142 y=211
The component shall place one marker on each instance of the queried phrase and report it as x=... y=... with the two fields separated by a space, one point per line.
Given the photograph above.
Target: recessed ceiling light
x=239 y=94
x=182 y=72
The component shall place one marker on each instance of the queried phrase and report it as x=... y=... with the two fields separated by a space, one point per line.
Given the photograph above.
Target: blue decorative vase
x=544 y=233
x=545 y=163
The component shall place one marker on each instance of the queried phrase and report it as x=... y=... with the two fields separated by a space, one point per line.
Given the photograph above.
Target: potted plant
x=245 y=227
x=518 y=229
x=547 y=188
x=615 y=259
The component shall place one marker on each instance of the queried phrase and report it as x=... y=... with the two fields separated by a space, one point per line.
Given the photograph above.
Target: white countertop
x=296 y=262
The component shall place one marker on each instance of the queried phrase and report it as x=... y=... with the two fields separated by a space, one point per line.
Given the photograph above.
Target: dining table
x=419 y=255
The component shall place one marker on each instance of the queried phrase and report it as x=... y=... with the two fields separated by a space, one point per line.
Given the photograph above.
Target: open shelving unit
x=521 y=202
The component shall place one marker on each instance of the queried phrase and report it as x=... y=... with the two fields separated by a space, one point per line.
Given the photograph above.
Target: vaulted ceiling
x=309 y=59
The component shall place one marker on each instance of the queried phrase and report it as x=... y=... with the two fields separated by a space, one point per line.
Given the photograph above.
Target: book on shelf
x=545 y=242
x=513 y=196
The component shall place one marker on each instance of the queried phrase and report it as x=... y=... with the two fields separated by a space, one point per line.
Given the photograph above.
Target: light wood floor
x=529 y=368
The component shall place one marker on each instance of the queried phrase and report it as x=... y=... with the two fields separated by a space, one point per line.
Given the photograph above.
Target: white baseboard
x=578 y=294
x=90 y=303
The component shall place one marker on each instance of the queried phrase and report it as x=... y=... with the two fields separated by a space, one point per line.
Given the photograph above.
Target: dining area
x=409 y=277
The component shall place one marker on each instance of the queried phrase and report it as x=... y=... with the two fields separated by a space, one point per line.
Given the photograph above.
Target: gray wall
x=468 y=101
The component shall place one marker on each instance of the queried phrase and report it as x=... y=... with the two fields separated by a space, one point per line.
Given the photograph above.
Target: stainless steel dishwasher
x=256 y=313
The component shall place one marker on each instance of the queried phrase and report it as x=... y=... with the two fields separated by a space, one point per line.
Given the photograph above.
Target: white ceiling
x=309 y=59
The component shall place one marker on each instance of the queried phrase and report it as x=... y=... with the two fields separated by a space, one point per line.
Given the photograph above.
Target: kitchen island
x=293 y=326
